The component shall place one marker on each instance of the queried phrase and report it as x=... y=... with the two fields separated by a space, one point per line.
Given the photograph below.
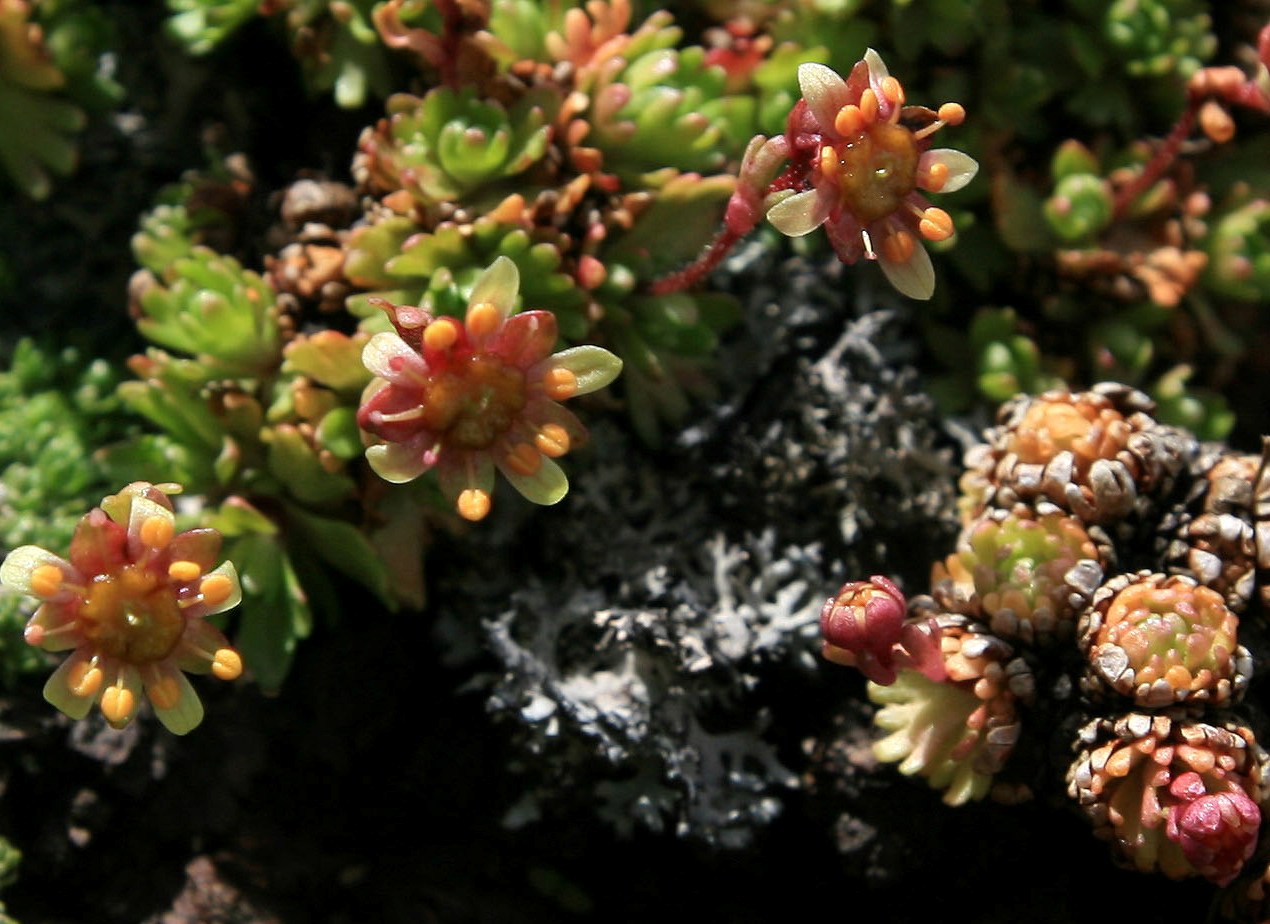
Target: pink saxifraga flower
x=470 y=397
x=865 y=627
x=129 y=601
x=865 y=170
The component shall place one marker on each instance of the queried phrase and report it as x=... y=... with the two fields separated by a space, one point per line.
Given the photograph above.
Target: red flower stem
x=1163 y=158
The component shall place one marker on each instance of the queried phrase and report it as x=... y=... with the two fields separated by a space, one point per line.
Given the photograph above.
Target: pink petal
x=99 y=545
x=525 y=338
x=389 y=357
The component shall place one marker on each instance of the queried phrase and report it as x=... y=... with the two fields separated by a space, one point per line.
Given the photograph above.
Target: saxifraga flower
x=468 y=397
x=870 y=164
x=130 y=601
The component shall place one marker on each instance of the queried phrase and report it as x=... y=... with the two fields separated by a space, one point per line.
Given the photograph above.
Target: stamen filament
x=411 y=413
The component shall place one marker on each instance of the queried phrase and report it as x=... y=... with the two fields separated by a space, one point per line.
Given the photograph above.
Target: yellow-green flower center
x=132 y=615
x=874 y=170
x=473 y=401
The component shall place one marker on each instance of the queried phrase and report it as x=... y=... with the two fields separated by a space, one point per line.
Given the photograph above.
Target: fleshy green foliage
x=1079 y=208
x=448 y=144
x=1202 y=411
x=201 y=25
x=334 y=40
x=38 y=124
x=666 y=110
x=1239 y=252
x=81 y=38
x=1160 y=36
x=212 y=308
x=10 y=859
x=56 y=408
x=264 y=430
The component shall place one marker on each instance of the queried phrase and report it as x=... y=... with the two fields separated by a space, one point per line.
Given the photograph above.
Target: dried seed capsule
x=1162 y=640
x=1098 y=454
x=1027 y=575
x=1149 y=783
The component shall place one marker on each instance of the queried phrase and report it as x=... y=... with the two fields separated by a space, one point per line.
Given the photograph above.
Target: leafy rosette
x=208 y=306
x=1171 y=793
x=1163 y=640
x=957 y=733
x=1027 y=575
x=450 y=144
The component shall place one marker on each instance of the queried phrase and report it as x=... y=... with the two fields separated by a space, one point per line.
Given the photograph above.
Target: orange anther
x=117 y=705
x=935 y=177
x=936 y=224
x=952 y=113
x=848 y=122
x=157 y=531
x=184 y=571
x=483 y=319
x=227 y=664
x=869 y=105
x=893 y=90
x=560 y=384
x=523 y=459
x=829 y=162
x=164 y=693
x=85 y=679
x=552 y=440
x=898 y=247
x=1216 y=122
x=215 y=588
x=441 y=334
x=473 y=504
x=46 y=580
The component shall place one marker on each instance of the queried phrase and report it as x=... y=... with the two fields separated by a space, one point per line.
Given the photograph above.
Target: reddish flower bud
x=865 y=627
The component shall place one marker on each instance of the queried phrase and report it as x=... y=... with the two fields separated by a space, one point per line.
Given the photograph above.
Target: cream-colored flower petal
x=547 y=485
x=877 y=69
x=21 y=563
x=961 y=167
x=825 y=92
x=187 y=712
x=389 y=357
x=59 y=692
x=150 y=526
x=497 y=286
x=915 y=277
x=799 y=214
x=593 y=367
x=225 y=568
x=396 y=462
